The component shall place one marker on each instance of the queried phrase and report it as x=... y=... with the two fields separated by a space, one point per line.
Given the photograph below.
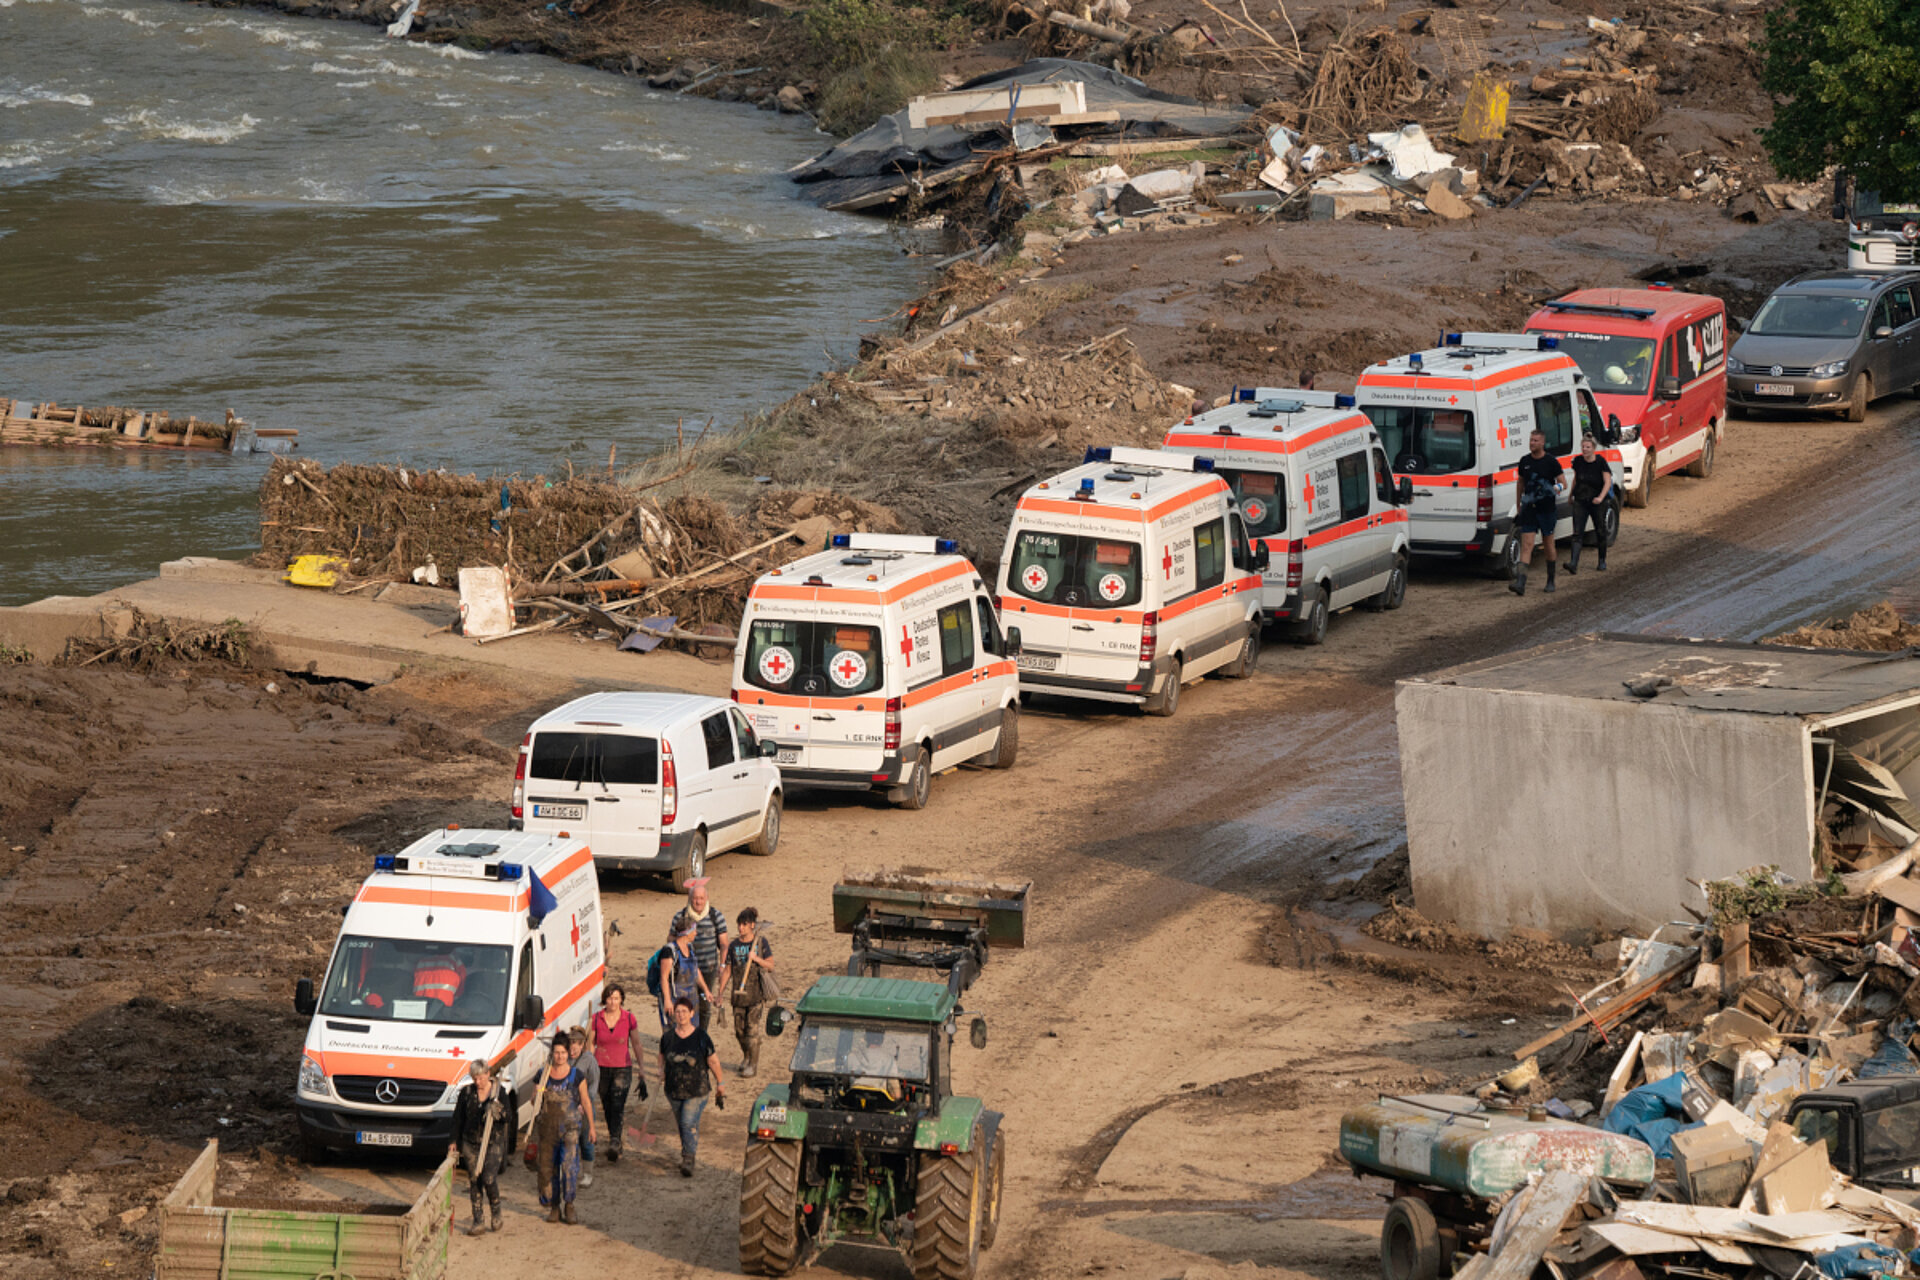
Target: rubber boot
x=1601 y=565
x=1551 y=566
x=568 y=1215
x=479 y=1225
x=553 y=1214
x=1519 y=584
x=496 y=1219
x=1573 y=558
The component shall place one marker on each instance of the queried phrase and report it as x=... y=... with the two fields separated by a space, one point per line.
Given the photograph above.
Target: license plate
x=561 y=812
x=1773 y=388
x=368 y=1138
x=773 y=1113
x=1038 y=662
x=788 y=755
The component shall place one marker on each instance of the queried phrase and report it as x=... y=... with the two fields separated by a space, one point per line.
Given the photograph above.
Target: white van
x=1313 y=485
x=1128 y=576
x=461 y=948
x=878 y=663
x=1455 y=421
x=654 y=781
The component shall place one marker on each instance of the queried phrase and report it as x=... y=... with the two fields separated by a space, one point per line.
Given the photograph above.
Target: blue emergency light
x=1451 y=339
x=1549 y=344
x=842 y=540
x=1244 y=395
x=1098 y=453
x=1086 y=486
x=383 y=862
x=1415 y=361
x=946 y=546
x=1344 y=402
x=1203 y=464
x=508 y=871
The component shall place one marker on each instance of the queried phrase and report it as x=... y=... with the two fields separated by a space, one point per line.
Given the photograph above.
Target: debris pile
x=1880 y=628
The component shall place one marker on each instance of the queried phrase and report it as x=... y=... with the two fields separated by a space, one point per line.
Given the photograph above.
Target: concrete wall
x=1565 y=814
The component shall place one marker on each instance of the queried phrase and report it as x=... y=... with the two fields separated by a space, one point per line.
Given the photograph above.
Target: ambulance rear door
x=1074 y=588
x=1260 y=485
x=816 y=673
x=1433 y=439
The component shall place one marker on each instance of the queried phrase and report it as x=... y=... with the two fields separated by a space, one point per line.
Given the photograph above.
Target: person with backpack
x=750 y=967
x=709 y=942
x=678 y=971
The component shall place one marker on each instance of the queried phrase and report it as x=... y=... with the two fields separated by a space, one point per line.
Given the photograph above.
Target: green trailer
x=204 y=1236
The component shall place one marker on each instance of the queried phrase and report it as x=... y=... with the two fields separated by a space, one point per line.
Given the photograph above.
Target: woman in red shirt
x=616 y=1047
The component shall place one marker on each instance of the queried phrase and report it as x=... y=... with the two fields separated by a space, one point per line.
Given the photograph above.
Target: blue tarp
x=1892 y=1058
x=1862 y=1260
x=1653 y=1114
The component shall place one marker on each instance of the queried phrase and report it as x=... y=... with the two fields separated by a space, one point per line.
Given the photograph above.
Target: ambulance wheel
x=1503 y=565
x=1394 y=594
x=694 y=867
x=1006 y=748
x=1641 y=495
x=1167 y=701
x=1862 y=396
x=1409 y=1242
x=769 y=838
x=1243 y=663
x=918 y=786
x=1312 y=629
x=1702 y=467
x=1609 y=531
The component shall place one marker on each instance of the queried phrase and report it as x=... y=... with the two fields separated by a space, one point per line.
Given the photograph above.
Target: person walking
x=750 y=967
x=687 y=1059
x=556 y=1131
x=589 y=1069
x=1592 y=483
x=1540 y=489
x=483 y=1131
x=709 y=942
x=616 y=1047
x=681 y=977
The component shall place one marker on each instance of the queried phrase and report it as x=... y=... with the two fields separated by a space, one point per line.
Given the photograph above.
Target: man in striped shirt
x=709 y=940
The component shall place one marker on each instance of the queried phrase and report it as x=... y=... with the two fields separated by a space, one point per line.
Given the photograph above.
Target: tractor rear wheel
x=996 y=1184
x=770 y=1241
x=1409 y=1242
x=947 y=1215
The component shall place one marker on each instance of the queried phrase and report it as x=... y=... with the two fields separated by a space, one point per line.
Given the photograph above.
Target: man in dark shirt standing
x=1540 y=485
x=1592 y=482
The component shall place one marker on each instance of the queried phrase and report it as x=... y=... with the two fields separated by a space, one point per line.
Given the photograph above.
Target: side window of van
x=1382 y=476
x=719 y=736
x=989 y=627
x=1903 y=312
x=744 y=735
x=523 y=985
x=1883 y=313
x=1210 y=553
x=956 y=639
x=1554 y=415
x=1242 y=550
x=1353 y=486
x=1590 y=418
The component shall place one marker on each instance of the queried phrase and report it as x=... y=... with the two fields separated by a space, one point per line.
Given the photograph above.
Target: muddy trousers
x=560 y=1169
x=1585 y=513
x=747 y=1024
x=484 y=1188
x=686 y=1114
x=615 y=1082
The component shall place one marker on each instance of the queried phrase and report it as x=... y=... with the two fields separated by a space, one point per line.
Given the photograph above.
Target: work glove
x=643 y=1088
x=720 y=1099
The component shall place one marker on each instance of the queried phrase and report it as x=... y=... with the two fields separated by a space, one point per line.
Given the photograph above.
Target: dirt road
x=1172 y=1049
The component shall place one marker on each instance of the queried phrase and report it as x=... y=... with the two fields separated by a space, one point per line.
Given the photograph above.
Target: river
x=409 y=252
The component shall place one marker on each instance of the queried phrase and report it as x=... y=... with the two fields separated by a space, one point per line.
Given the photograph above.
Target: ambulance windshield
x=1073 y=570
x=417 y=980
x=1615 y=364
x=1262 y=496
x=813 y=659
x=1424 y=441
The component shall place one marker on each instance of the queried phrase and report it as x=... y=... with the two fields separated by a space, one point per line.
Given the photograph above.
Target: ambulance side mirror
x=303 y=1002
x=1404 y=493
x=776 y=1020
x=1669 y=387
x=1260 y=558
x=1012 y=645
x=533 y=1012
x=1613 y=429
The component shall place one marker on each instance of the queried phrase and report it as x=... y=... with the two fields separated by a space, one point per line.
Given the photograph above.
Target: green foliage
x=1755 y=893
x=14 y=655
x=1845 y=76
x=850 y=33
x=857 y=96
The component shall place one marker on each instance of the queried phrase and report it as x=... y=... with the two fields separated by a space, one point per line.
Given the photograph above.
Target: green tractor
x=868 y=1144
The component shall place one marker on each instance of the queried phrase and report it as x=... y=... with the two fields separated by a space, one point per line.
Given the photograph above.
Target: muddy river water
x=409 y=252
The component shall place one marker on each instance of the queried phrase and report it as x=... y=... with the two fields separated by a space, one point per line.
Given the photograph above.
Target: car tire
x=947 y=1215
x=995 y=1188
x=1862 y=397
x=763 y=844
x=1702 y=467
x=1249 y=656
x=1394 y=594
x=1502 y=565
x=918 y=788
x=694 y=867
x=1006 y=747
x=1312 y=629
x=1167 y=701
x=772 y=1234
x=1409 y=1242
x=1609 y=530
x=1641 y=495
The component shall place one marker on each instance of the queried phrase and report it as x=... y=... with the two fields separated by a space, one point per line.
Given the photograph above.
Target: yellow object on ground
x=1484 y=119
x=314 y=571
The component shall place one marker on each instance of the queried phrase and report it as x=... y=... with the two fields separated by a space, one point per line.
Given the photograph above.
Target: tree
x=1845 y=78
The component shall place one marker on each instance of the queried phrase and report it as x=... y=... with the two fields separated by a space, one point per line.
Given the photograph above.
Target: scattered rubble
x=1880 y=628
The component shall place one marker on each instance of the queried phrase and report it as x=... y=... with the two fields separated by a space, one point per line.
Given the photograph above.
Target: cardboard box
x=1712 y=1164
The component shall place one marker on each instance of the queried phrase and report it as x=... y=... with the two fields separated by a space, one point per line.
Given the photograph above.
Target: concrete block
x=1333 y=205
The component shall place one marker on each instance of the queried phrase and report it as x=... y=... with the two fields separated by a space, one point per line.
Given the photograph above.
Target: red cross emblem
x=576 y=935
x=1307 y=493
x=906 y=645
x=1035 y=578
x=1166 y=562
x=456 y=1051
x=849 y=670
x=776 y=666
x=1503 y=433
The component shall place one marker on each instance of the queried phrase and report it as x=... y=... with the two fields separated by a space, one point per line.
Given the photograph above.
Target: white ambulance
x=1455 y=421
x=878 y=663
x=1129 y=576
x=461 y=948
x=1314 y=487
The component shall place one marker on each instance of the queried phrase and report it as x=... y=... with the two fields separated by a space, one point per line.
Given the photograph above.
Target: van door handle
x=606 y=799
x=1083 y=626
x=823 y=717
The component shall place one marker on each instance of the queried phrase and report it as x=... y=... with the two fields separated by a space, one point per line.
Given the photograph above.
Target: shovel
x=643 y=1137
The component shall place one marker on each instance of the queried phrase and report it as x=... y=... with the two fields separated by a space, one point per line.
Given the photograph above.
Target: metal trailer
x=1450 y=1160
x=207 y=1237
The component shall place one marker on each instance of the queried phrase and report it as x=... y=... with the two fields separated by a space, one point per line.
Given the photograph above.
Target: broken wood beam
x=1613 y=1010
x=1098 y=30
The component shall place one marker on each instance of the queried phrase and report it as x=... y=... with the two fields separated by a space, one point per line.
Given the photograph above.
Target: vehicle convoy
x=1657 y=361
x=878 y=663
x=1882 y=235
x=654 y=781
x=1829 y=341
x=869 y=1144
x=1129 y=576
x=1314 y=487
x=1455 y=421
x=466 y=945
x=1871 y=1128
x=1451 y=1160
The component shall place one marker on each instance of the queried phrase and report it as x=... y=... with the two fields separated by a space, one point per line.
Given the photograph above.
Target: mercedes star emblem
x=387 y=1091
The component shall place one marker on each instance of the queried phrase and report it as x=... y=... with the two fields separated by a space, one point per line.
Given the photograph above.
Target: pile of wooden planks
x=102 y=426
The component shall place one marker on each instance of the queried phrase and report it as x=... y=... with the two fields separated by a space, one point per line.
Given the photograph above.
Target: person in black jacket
x=483 y=1131
x=1592 y=484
